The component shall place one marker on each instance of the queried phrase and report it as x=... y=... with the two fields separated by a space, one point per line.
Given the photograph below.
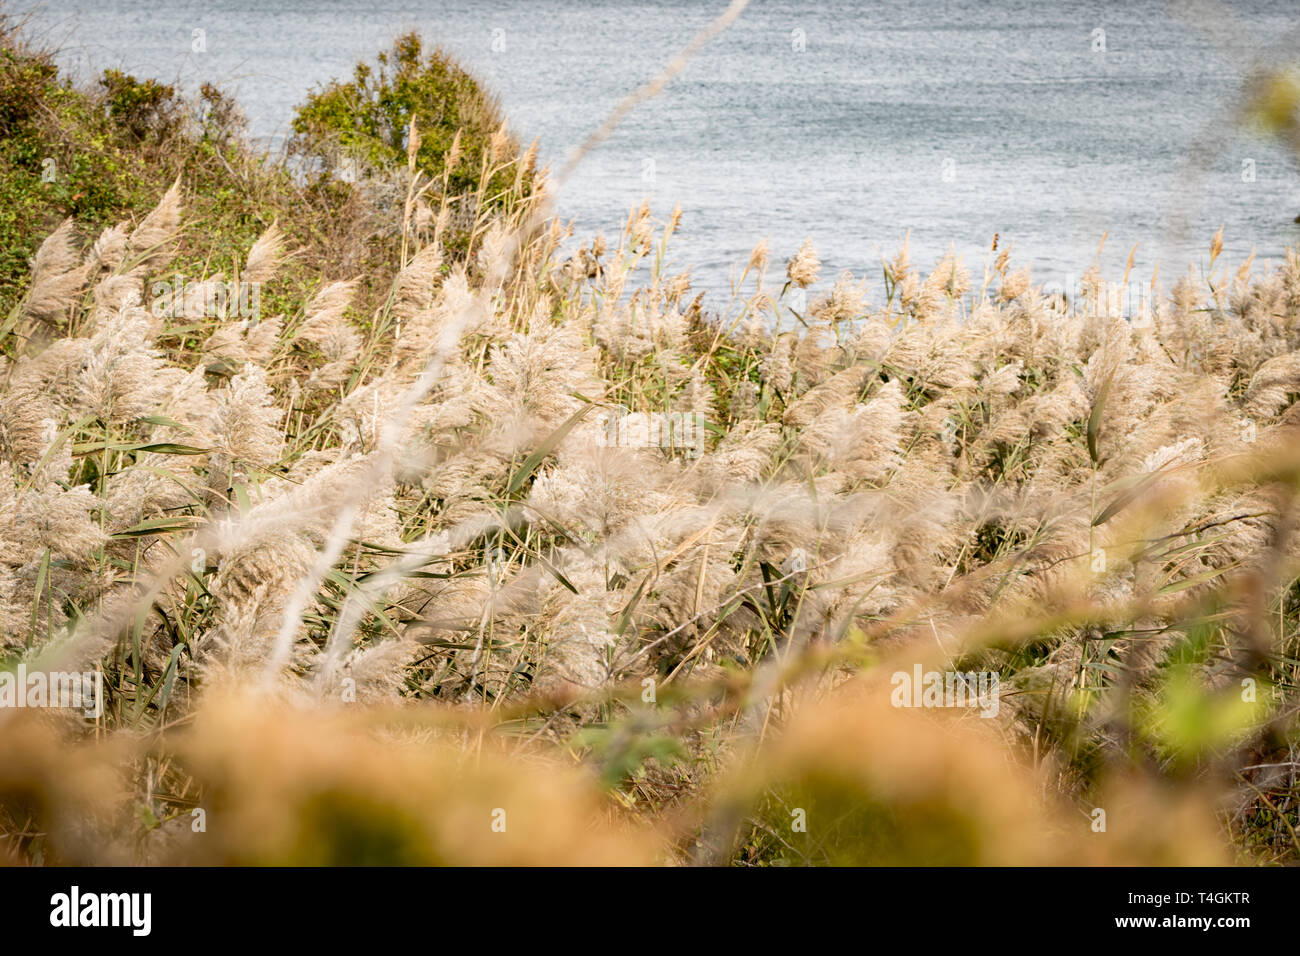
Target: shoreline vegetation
x=377 y=524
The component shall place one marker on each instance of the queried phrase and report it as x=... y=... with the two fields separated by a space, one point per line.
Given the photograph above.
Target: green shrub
x=105 y=153
x=142 y=109
x=23 y=78
x=368 y=119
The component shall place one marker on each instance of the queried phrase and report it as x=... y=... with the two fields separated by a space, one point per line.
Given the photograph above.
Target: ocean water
x=1049 y=125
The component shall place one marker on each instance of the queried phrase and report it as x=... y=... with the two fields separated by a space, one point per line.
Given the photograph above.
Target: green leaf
x=158 y=448
x=158 y=526
x=1125 y=498
x=1198 y=579
x=1094 y=420
x=625 y=618
x=545 y=448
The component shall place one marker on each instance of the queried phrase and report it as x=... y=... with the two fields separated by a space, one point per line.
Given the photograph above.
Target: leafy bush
x=102 y=155
x=142 y=108
x=368 y=119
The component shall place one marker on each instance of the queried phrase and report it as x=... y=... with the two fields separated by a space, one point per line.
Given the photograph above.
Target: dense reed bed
x=538 y=558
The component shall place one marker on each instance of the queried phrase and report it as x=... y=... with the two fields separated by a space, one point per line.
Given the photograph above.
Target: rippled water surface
x=850 y=122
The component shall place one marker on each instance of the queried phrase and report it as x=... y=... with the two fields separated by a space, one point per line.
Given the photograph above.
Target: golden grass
x=355 y=583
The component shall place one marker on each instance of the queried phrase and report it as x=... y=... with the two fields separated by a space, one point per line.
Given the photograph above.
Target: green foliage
x=65 y=152
x=622 y=749
x=854 y=827
x=105 y=154
x=58 y=158
x=370 y=116
x=142 y=109
x=23 y=81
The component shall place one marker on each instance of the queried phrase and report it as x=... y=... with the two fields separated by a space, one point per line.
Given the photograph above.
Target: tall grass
x=391 y=586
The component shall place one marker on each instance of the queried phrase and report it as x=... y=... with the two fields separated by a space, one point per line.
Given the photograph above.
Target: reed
x=337 y=565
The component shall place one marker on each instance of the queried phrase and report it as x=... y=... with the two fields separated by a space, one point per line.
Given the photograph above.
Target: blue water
x=853 y=123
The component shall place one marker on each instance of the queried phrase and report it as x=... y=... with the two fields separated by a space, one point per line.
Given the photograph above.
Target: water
x=851 y=123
